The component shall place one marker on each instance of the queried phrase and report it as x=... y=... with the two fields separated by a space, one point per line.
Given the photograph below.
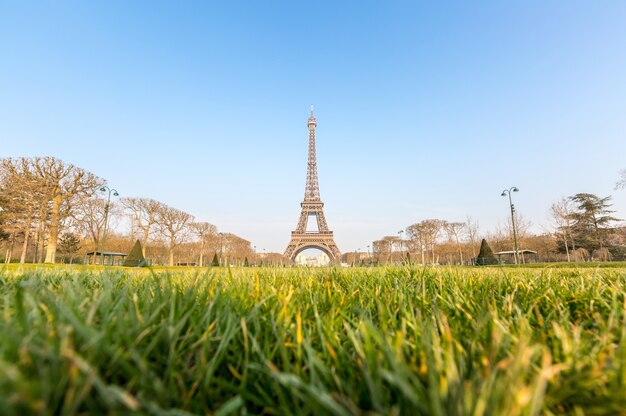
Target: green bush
x=135 y=257
x=485 y=255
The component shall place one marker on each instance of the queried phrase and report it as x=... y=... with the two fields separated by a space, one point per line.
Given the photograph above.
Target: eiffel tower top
x=312 y=118
x=312 y=187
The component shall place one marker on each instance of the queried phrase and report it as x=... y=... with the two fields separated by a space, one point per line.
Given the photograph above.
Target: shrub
x=135 y=257
x=485 y=255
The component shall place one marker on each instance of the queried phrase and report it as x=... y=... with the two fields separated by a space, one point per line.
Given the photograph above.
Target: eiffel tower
x=322 y=239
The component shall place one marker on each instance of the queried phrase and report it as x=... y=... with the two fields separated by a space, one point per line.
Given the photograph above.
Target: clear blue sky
x=424 y=110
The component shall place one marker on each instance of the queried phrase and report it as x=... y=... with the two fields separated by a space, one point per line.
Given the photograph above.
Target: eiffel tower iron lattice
x=322 y=238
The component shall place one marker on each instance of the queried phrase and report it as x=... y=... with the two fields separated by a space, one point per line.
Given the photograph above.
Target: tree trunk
x=38 y=243
x=9 y=256
x=42 y=243
x=26 y=237
x=568 y=230
x=53 y=231
x=170 y=253
x=146 y=233
x=41 y=228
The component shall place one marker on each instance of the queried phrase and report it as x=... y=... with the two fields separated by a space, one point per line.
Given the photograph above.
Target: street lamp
x=110 y=191
x=505 y=193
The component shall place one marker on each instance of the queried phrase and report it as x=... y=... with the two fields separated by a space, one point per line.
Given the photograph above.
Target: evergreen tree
x=215 y=262
x=591 y=220
x=69 y=244
x=485 y=255
x=245 y=262
x=135 y=258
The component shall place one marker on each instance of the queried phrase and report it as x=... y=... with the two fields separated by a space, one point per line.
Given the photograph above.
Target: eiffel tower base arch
x=323 y=242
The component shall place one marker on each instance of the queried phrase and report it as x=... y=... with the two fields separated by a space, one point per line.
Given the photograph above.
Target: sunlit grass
x=397 y=340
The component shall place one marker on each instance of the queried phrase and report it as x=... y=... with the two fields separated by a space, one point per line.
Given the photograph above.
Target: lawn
x=394 y=340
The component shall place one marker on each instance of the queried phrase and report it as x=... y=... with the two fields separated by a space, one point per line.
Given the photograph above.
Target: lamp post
x=109 y=191
x=401 y=243
x=505 y=193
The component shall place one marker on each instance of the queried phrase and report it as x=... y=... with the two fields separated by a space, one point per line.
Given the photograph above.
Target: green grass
x=570 y=265
x=415 y=341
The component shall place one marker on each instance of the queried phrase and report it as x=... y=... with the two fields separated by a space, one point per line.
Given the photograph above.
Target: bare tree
x=173 y=225
x=381 y=249
x=416 y=240
x=49 y=189
x=454 y=231
x=424 y=235
x=23 y=195
x=143 y=214
x=391 y=240
x=88 y=219
x=235 y=248
x=561 y=212
x=206 y=234
x=64 y=185
x=522 y=227
x=471 y=232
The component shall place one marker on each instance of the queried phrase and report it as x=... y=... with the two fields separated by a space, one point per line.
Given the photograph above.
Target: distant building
x=525 y=256
x=321 y=260
x=108 y=258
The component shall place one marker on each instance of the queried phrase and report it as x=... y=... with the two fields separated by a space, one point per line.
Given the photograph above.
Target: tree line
x=52 y=211
x=582 y=229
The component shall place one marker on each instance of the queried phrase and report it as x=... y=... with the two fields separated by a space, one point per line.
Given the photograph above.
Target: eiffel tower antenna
x=322 y=239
